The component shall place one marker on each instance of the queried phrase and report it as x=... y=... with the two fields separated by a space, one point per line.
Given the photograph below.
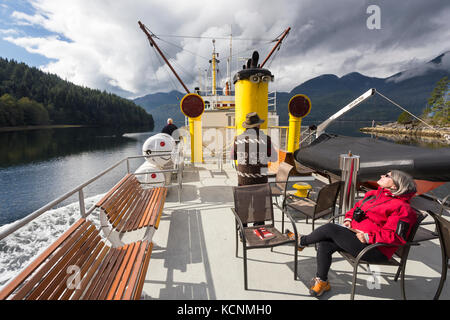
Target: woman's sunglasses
x=387 y=175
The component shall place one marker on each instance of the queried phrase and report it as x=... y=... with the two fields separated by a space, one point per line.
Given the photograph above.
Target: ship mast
x=214 y=62
x=153 y=44
x=285 y=33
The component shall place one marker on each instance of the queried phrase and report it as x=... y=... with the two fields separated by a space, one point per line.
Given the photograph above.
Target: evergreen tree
x=439 y=103
x=30 y=96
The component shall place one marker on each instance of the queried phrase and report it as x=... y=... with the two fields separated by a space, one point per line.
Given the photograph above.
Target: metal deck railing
x=178 y=168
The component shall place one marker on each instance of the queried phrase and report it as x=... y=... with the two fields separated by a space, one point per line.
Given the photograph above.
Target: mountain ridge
x=328 y=93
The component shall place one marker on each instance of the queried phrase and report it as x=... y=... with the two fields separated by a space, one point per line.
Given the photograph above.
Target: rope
x=399 y=106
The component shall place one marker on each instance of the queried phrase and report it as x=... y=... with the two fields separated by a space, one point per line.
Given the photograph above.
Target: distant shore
x=24 y=128
x=414 y=130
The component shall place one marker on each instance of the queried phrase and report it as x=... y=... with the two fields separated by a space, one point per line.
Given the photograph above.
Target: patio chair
x=443 y=229
x=324 y=205
x=402 y=254
x=278 y=188
x=253 y=203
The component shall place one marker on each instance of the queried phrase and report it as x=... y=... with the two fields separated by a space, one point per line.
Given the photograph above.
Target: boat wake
x=20 y=248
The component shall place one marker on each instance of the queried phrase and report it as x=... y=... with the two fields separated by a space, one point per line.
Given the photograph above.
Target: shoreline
x=27 y=128
x=438 y=133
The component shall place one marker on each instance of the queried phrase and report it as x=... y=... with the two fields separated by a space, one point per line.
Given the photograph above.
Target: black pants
x=331 y=238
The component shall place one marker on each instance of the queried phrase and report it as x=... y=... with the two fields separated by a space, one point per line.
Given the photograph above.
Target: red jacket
x=389 y=218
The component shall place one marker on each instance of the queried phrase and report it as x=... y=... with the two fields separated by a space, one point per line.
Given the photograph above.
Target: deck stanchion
x=82 y=204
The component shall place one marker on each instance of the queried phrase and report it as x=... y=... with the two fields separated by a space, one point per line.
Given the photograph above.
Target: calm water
x=38 y=166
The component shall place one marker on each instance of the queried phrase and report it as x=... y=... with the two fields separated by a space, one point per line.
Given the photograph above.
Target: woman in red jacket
x=384 y=215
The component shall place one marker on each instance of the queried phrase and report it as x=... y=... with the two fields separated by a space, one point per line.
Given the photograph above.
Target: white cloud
x=99 y=44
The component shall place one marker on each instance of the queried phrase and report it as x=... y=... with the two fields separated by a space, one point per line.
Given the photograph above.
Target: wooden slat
x=10 y=287
x=126 y=274
x=161 y=207
x=124 y=198
x=143 y=273
x=106 y=273
x=135 y=272
x=78 y=260
x=115 y=285
x=99 y=271
x=60 y=265
x=113 y=273
x=102 y=200
x=37 y=276
x=84 y=274
x=118 y=199
x=87 y=278
x=150 y=207
x=122 y=210
x=137 y=213
x=129 y=211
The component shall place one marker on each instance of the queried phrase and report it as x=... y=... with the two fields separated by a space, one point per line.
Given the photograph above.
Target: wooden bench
x=127 y=206
x=105 y=273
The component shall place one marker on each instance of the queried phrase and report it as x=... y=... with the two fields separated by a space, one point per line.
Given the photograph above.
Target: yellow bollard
x=299 y=106
x=193 y=106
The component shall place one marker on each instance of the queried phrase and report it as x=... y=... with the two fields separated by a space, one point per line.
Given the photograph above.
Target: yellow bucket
x=302 y=189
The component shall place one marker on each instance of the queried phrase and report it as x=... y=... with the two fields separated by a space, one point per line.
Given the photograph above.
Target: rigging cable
x=399 y=106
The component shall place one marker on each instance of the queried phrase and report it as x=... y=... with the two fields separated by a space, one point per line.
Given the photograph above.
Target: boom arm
x=321 y=127
x=153 y=43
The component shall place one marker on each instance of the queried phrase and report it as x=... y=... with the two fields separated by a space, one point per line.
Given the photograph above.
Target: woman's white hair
x=404 y=183
x=169 y=121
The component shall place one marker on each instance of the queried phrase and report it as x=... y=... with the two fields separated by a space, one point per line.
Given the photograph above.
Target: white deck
x=194 y=254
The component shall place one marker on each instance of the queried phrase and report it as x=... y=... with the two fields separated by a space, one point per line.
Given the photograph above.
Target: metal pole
x=153 y=43
x=276 y=46
x=349 y=165
x=82 y=204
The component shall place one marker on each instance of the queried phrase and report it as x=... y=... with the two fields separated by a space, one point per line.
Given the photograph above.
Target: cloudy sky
x=98 y=43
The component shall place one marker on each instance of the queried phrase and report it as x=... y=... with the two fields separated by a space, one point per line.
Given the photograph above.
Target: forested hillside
x=29 y=96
